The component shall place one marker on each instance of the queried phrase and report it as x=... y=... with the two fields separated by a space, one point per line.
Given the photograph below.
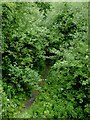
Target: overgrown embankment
x=33 y=32
x=35 y=92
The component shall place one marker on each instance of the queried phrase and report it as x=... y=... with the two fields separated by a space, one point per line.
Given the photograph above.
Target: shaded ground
x=35 y=92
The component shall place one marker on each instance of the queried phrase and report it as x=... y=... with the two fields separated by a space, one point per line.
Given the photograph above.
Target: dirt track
x=35 y=92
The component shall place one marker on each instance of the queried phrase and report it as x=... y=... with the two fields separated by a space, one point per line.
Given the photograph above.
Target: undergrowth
x=34 y=34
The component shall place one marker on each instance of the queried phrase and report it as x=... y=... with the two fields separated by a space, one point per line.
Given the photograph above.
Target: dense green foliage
x=32 y=34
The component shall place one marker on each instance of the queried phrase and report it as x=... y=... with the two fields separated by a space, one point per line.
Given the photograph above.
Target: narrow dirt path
x=35 y=93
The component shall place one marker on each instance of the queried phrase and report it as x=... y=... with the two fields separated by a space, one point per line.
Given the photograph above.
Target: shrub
x=65 y=93
x=56 y=34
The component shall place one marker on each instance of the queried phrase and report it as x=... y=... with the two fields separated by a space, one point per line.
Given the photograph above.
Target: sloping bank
x=36 y=92
x=64 y=94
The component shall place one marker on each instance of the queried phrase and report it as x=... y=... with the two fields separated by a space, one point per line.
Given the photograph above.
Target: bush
x=65 y=93
x=35 y=36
